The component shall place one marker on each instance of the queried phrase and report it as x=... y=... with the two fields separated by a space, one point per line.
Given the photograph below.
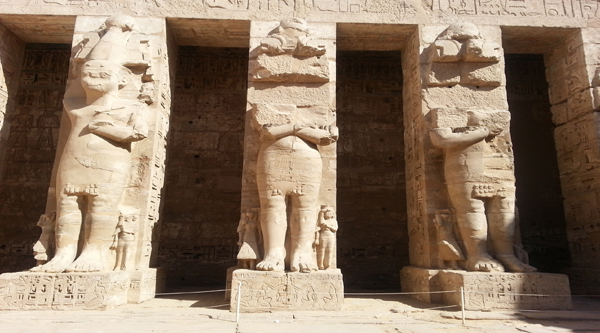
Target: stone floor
x=207 y=312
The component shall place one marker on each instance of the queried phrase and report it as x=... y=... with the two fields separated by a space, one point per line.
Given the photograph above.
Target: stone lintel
x=268 y=291
x=514 y=291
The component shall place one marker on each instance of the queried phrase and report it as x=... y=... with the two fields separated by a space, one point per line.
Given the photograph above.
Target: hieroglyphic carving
x=84 y=291
x=420 y=252
x=32 y=127
x=261 y=291
x=516 y=8
x=202 y=186
x=485 y=291
x=403 y=8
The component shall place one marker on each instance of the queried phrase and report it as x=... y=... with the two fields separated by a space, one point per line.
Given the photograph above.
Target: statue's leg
x=303 y=225
x=327 y=255
x=119 y=259
x=67 y=229
x=472 y=224
x=273 y=221
x=501 y=217
x=321 y=254
x=101 y=222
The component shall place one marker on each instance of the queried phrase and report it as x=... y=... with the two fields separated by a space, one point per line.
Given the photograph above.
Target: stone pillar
x=11 y=56
x=460 y=171
x=118 y=100
x=573 y=73
x=289 y=177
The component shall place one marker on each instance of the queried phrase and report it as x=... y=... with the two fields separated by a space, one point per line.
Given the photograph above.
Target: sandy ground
x=208 y=312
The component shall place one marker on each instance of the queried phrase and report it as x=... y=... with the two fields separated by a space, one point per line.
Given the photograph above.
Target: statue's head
x=328 y=212
x=123 y=22
x=293 y=27
x=103 y=76
x=462 y=31
x=496 y=121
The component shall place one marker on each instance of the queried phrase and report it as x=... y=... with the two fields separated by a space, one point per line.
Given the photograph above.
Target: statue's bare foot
x=302 y=261
x=513 y=264
x=483 y=263
x=273 y=261
x=59 y=263
x=89 y=261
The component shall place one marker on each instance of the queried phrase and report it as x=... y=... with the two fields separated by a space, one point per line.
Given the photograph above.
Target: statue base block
x=513 y=291
x=268 y=291
x=584 y=281
x=421 y=281
x=145 y=283
x=63 y=291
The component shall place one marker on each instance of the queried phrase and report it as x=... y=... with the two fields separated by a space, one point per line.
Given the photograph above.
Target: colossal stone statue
x=289 y=164
x=289 y=171
x=481 y=186
x=96 y=161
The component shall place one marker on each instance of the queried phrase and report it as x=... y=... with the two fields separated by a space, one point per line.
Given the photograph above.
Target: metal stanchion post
x=239 y=296
x=462 y=303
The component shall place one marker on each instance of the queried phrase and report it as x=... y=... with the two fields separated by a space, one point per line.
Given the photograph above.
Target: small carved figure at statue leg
x=43 y=248
x=326 y=245
x=124 y=236
x=250 y=236
x=68 y=227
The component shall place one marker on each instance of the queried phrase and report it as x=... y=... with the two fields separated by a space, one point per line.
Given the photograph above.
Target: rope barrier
x=345 y=294
x=405 y=293
x=192 y=292
x=517 y=294
x=385 y=294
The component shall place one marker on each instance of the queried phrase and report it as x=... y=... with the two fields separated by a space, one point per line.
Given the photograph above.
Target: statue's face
x=100 y=75
x=329 y=214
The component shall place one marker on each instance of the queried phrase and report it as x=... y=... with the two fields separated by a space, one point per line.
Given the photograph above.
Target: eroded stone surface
x=453 y=70
x=294 y=133
x=63 y=291
x=266 y=291
x=524 y=291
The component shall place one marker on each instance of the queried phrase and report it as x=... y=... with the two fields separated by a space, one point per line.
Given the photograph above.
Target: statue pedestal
x=489 y=291
x=145 y=283
x=584 y=280
x=268 y=291
x=76 y=291
x=422 y=281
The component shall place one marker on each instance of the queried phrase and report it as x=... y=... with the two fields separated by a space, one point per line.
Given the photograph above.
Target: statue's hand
x=70 y=189
x=95 y=124
x=332 y=136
